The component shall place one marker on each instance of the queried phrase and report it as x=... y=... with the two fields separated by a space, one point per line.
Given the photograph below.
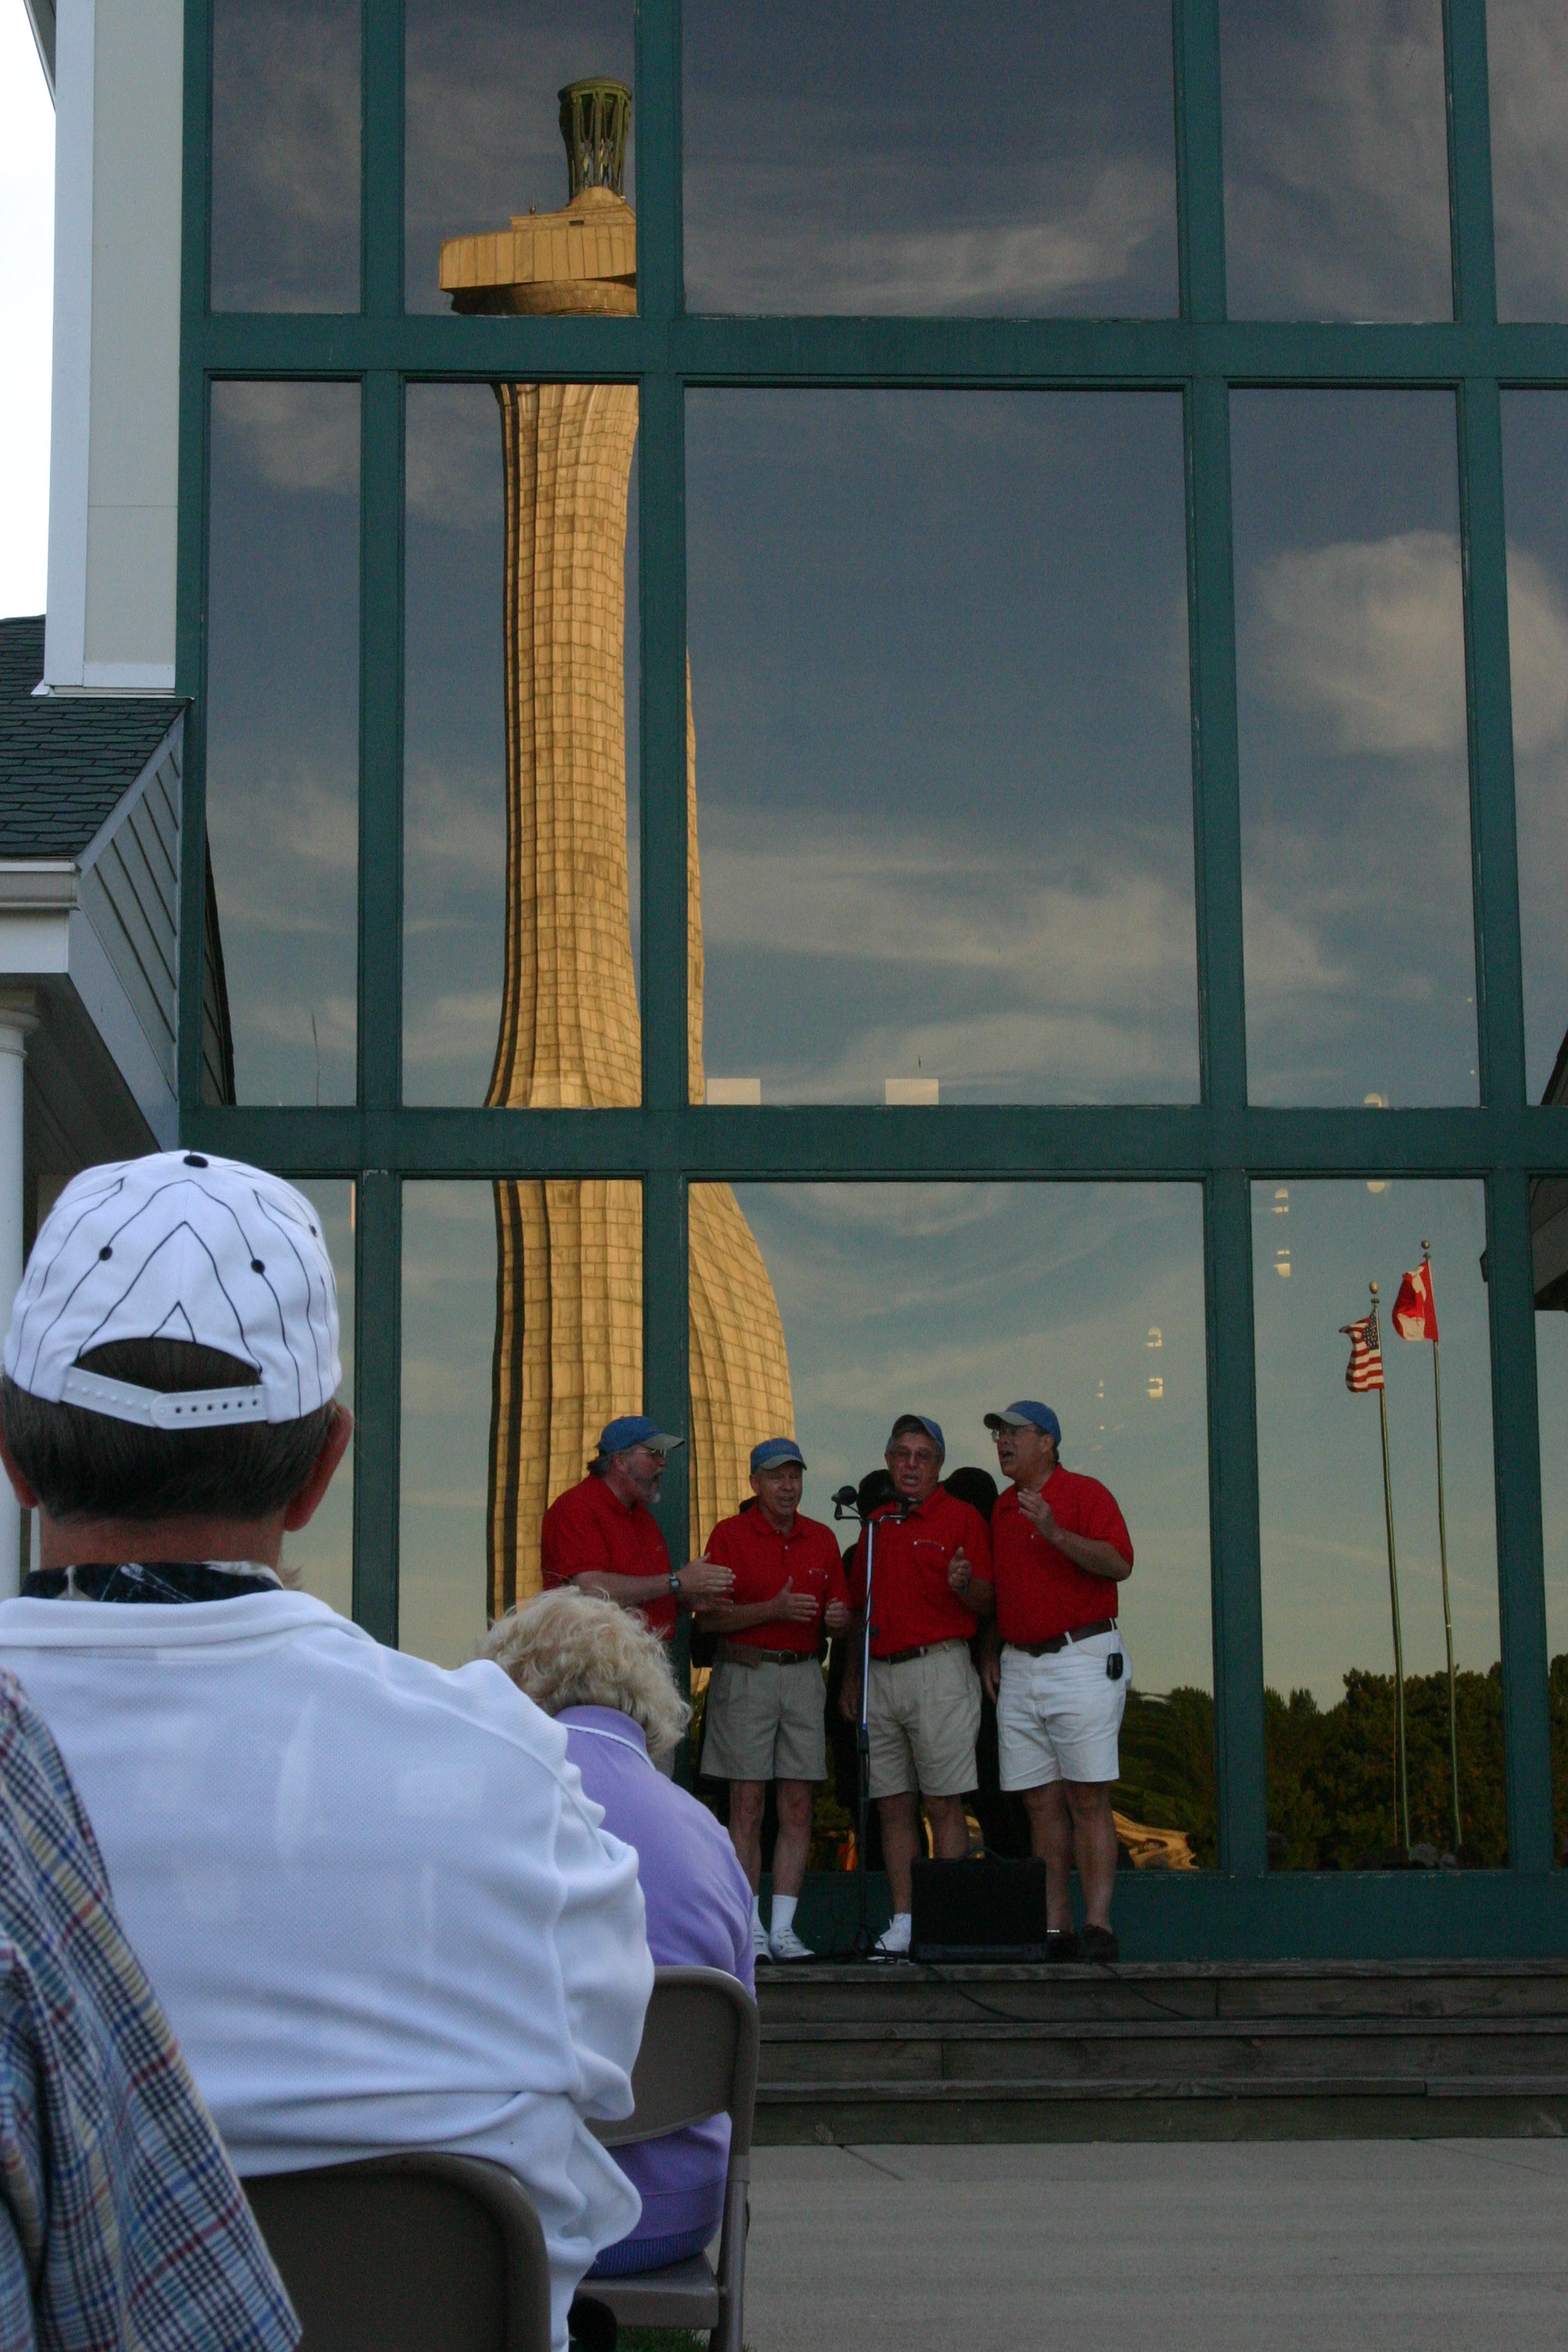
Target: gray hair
x=569 y=1648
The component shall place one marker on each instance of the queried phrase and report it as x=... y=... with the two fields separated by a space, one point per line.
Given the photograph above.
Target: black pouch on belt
x=1113 y=1665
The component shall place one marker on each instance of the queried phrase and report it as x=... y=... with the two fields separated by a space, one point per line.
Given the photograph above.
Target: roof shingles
x=65 y=760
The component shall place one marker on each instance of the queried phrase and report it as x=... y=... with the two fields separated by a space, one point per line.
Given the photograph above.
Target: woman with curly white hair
x=598 y=1668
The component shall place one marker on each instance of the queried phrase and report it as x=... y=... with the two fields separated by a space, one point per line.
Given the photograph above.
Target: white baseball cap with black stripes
x=179 y=1245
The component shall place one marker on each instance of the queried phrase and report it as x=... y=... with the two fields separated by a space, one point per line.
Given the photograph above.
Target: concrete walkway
x=1329 y=2246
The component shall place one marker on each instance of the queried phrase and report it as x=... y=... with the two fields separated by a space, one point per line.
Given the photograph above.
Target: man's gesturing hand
x=794 y=1608
x=836 y=1617
x=706 y=1580
x=1035 y=1510
x=959 y=1572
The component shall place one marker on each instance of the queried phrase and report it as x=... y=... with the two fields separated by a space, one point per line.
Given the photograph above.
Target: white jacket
x=370 y=1895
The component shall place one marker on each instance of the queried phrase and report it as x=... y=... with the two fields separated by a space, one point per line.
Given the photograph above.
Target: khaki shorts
x=765 y=1723
x=923 y=1719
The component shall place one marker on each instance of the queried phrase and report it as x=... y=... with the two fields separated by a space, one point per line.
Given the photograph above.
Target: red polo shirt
x=764 y=1562
x=587 y=1530
x=912 y=1603
x=1040 y=1592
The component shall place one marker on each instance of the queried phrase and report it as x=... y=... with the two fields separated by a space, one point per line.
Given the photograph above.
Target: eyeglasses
x=919 y=1455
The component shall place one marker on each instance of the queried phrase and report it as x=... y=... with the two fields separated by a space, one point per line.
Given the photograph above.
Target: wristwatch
x=675 y=1581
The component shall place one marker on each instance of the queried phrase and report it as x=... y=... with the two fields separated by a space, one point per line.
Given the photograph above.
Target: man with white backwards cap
x=370 y=1895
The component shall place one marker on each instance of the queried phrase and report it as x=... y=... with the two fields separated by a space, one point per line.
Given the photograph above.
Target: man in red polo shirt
x=764 y=1718
x=931 y=1582
x=602 y=1534
x=1059 y=1549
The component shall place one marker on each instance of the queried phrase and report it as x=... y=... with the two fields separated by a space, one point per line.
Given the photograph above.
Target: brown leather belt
x=1060 y=1640
x=902 y=1657
x=746 y=1653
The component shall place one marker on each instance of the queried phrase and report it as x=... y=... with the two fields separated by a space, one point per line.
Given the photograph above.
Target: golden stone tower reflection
x=568 y=1341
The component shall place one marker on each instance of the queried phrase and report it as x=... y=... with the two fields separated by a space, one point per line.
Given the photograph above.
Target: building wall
x=114 y=473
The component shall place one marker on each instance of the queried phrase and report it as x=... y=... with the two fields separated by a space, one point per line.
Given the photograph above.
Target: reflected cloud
x=286 y=147
x=1336 y=159
x=1084 y=973
x=1527 y=61
x=293 y=438
x=1367 y=638
x=773 y=243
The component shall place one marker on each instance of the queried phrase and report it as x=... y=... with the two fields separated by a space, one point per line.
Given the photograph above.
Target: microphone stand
x=846 y=1506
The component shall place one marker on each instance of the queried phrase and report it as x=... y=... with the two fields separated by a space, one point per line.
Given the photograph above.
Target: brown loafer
x=1061 y=1944
x=1098 y=1943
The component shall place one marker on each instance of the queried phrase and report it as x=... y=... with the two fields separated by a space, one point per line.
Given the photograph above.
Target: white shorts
x=1058 y=1717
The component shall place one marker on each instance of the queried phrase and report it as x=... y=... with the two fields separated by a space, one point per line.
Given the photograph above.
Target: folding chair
x=415 y=2252
x=699 y=2058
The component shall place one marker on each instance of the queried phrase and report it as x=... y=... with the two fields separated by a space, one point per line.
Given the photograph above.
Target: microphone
x=844 y=1500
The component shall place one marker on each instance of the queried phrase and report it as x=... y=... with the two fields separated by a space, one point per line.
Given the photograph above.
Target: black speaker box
x=986 y=1910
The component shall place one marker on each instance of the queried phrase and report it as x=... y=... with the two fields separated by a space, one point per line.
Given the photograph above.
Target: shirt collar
x=608 y=1722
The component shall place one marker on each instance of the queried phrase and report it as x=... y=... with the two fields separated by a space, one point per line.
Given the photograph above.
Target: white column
x=17 y=1019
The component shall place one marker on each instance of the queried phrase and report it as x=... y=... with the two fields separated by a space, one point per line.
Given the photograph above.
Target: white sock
x=903 y=1919
x=783 y=1913
x=757 y=1912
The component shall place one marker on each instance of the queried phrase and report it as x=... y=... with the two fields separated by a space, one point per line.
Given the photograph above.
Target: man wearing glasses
x=1055 y=1666
x=602 y=1534
x=931 y=1582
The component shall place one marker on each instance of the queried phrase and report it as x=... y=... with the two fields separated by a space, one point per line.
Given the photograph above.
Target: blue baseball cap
x=1027 y=1414
x=637 y=1428
x=932 y=1428
x=774 y=1450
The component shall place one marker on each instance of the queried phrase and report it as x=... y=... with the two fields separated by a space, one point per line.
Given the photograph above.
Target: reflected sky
x=322 y=1554
x=454 y=896
x=1527 y=62
x=939 y=661
x=1354 y=791
x=1535 y=485
x=878 y=162
x=282 y=754
x=1552 y=1382
x=953 y=1299
x=482 y=115
x=1325 y=1559
x=1336 y=165
x=284 y=154
x=448 y=1332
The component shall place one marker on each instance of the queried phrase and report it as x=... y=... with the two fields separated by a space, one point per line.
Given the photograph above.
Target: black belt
x=1060 y=1640
x=922 y=1649
x=746 y=1653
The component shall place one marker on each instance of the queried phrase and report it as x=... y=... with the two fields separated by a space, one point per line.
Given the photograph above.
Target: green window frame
x=1222 y=1142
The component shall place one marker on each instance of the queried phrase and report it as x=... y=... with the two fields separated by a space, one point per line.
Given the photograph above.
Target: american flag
x=1364 y=1370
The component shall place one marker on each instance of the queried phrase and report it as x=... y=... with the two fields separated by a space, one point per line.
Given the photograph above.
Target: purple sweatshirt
x=699 y=1915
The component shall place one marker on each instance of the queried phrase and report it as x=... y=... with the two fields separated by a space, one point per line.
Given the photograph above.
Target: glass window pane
x=282 y=772
x=1549 y=1227
x=1018 y=158
x=285 y=155
x=1527 y=60
x=521 y=891
x=1336 y=160
x=953 y=1299
x=1535 y=481
x=944 y=760
x=482 y=121
x=321 y=1556
x=521 y=1338
x=1328 y=1596
x=1355 y=776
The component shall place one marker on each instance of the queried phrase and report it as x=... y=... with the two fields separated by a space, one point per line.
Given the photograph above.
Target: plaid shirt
x=121 y=2223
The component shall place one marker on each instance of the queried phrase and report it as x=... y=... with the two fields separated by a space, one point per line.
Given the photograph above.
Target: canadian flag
x=1415 y=1311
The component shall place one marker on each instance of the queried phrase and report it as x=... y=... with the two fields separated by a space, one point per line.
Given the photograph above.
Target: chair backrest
x=415 y=2252
x=699 y=2058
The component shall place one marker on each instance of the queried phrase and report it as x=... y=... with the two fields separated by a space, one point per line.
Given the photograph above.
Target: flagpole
x=1403 y=1795
x=1443 y=1556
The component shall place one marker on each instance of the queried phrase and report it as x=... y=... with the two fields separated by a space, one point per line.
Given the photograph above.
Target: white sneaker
x=786 y=1945
x=760 y=1946
x=893 y=1943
